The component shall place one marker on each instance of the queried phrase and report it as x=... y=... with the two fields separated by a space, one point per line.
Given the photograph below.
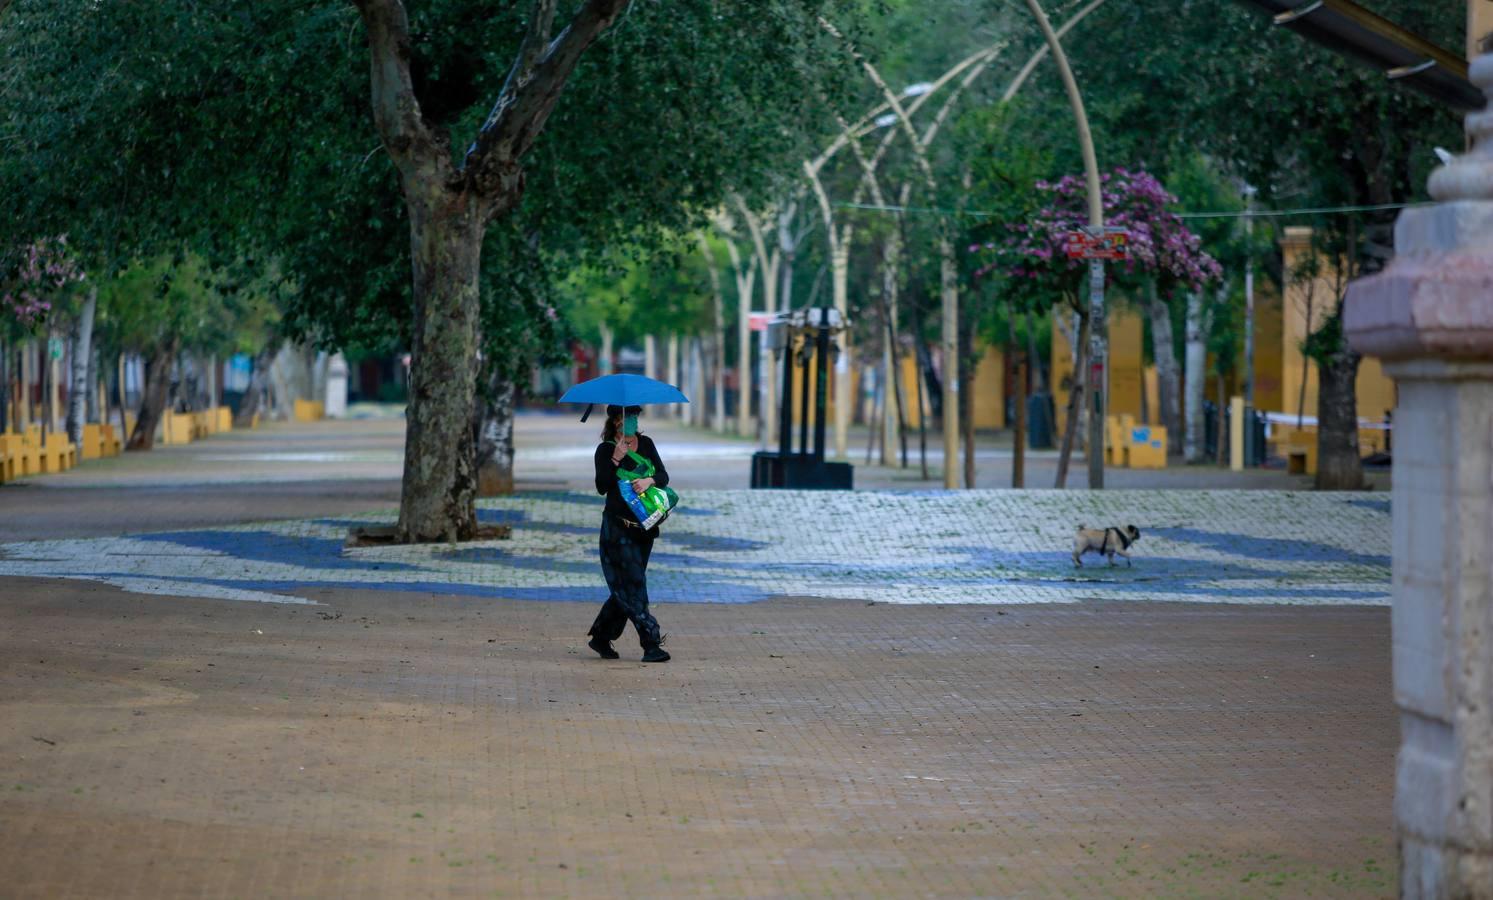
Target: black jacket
x=606 y=474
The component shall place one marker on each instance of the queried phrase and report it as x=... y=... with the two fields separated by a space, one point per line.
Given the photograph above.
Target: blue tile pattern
x=743 y=546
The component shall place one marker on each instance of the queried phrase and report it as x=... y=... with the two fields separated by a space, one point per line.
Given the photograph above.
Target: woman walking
x=625 y=544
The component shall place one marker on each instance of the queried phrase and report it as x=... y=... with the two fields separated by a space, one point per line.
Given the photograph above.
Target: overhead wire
x=1222 y=214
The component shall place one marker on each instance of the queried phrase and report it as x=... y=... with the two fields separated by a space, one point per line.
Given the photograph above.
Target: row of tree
x=167 y=311
x=473 y=183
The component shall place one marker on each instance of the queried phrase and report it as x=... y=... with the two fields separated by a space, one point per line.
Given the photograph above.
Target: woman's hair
x=615 y=414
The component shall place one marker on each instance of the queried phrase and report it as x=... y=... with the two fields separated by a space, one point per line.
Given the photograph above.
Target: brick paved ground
x=419 y=745
x=903 y=693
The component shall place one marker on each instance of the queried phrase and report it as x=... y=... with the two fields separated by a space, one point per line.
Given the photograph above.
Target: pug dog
x=1107 y=542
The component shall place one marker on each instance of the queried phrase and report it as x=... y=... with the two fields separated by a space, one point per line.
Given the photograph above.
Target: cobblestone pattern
x=742 y=546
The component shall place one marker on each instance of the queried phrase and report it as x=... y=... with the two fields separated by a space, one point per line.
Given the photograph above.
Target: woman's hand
x=642 y=484
x=625 y=445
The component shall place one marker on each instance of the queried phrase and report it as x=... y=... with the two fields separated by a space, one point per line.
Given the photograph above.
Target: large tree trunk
x=1168 y=392
x=437 y=497
x=253 y=399
x=79 y=387
x=493 y=425
x=1339 y=463
x=282 y=389
x=1076 y=400
x=1196 y=361
x=155 y=396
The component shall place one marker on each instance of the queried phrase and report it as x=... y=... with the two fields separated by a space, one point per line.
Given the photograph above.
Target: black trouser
x=624 y=564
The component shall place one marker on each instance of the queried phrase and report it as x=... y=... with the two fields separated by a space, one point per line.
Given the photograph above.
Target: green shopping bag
x=653 y=505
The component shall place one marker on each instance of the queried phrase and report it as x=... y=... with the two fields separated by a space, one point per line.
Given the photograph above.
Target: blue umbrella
x=622 y=390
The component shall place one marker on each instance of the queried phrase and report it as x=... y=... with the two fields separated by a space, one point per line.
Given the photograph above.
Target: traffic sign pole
x=1097 y=353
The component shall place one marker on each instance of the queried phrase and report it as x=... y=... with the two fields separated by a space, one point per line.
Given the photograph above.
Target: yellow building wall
x=908 y=379
x=1126 y=377
x=1126 y=370
x=1308 y=302
x=988 y=405
x=908 y=370
x=1376 y=391
x=1269 y=348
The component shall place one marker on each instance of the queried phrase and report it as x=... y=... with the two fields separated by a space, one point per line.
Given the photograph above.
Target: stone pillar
x=1429 y=317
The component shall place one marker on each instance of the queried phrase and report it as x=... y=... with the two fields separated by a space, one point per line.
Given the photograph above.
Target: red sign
x=1114 y=243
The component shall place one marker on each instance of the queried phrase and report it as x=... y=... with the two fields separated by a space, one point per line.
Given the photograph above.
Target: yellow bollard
x=1236 y=434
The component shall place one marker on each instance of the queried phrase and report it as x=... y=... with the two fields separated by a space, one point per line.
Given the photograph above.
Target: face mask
x=630 y=426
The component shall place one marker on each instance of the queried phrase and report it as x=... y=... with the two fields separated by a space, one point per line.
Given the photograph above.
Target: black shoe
x=602 y=648
x=656 y=653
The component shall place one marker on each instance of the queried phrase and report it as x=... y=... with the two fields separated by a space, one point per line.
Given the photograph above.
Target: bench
x=177 y=428
x=309 y=411
x=58 y=454
x=1146 y=447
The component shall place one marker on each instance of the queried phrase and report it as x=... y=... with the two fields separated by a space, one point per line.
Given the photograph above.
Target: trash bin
x=1039 y=422
x=1210 y=430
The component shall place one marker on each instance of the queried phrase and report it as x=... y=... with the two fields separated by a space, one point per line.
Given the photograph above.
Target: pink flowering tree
x=1035 y=272
x=1029 y=256
x=44 y=271
x=36 y=290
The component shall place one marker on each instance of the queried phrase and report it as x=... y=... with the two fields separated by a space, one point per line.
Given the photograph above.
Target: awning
x=1347 y=28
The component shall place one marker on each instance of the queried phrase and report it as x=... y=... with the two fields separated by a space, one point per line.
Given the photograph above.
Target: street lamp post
x=1097 y=342
x=1249 y=297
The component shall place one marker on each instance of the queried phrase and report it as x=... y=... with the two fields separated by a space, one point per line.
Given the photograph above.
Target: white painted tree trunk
x=493 y=424
x=650 y=356
x=718 y=371
x=78 y=385
x=604 y=365
x=1196 y=360
x=712 y=362
x=676 y=410
x=839 y=281
x=699 y=403
x=745 y=288
x=28 y=375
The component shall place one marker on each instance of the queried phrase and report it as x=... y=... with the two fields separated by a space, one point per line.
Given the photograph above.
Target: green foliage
x=1324 y=344
x=234 y=128
x=663 y=291
x=180 y=299
x=149 y=303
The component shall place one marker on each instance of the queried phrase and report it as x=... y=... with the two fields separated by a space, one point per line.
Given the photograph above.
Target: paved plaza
x=890 y=692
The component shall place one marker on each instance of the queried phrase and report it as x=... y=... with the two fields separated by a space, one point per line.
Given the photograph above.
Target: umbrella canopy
x=623 y=390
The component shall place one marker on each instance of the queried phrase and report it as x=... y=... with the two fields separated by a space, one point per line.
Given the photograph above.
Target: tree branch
x=536 y=41
x=396 y=112
x=534 y=84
